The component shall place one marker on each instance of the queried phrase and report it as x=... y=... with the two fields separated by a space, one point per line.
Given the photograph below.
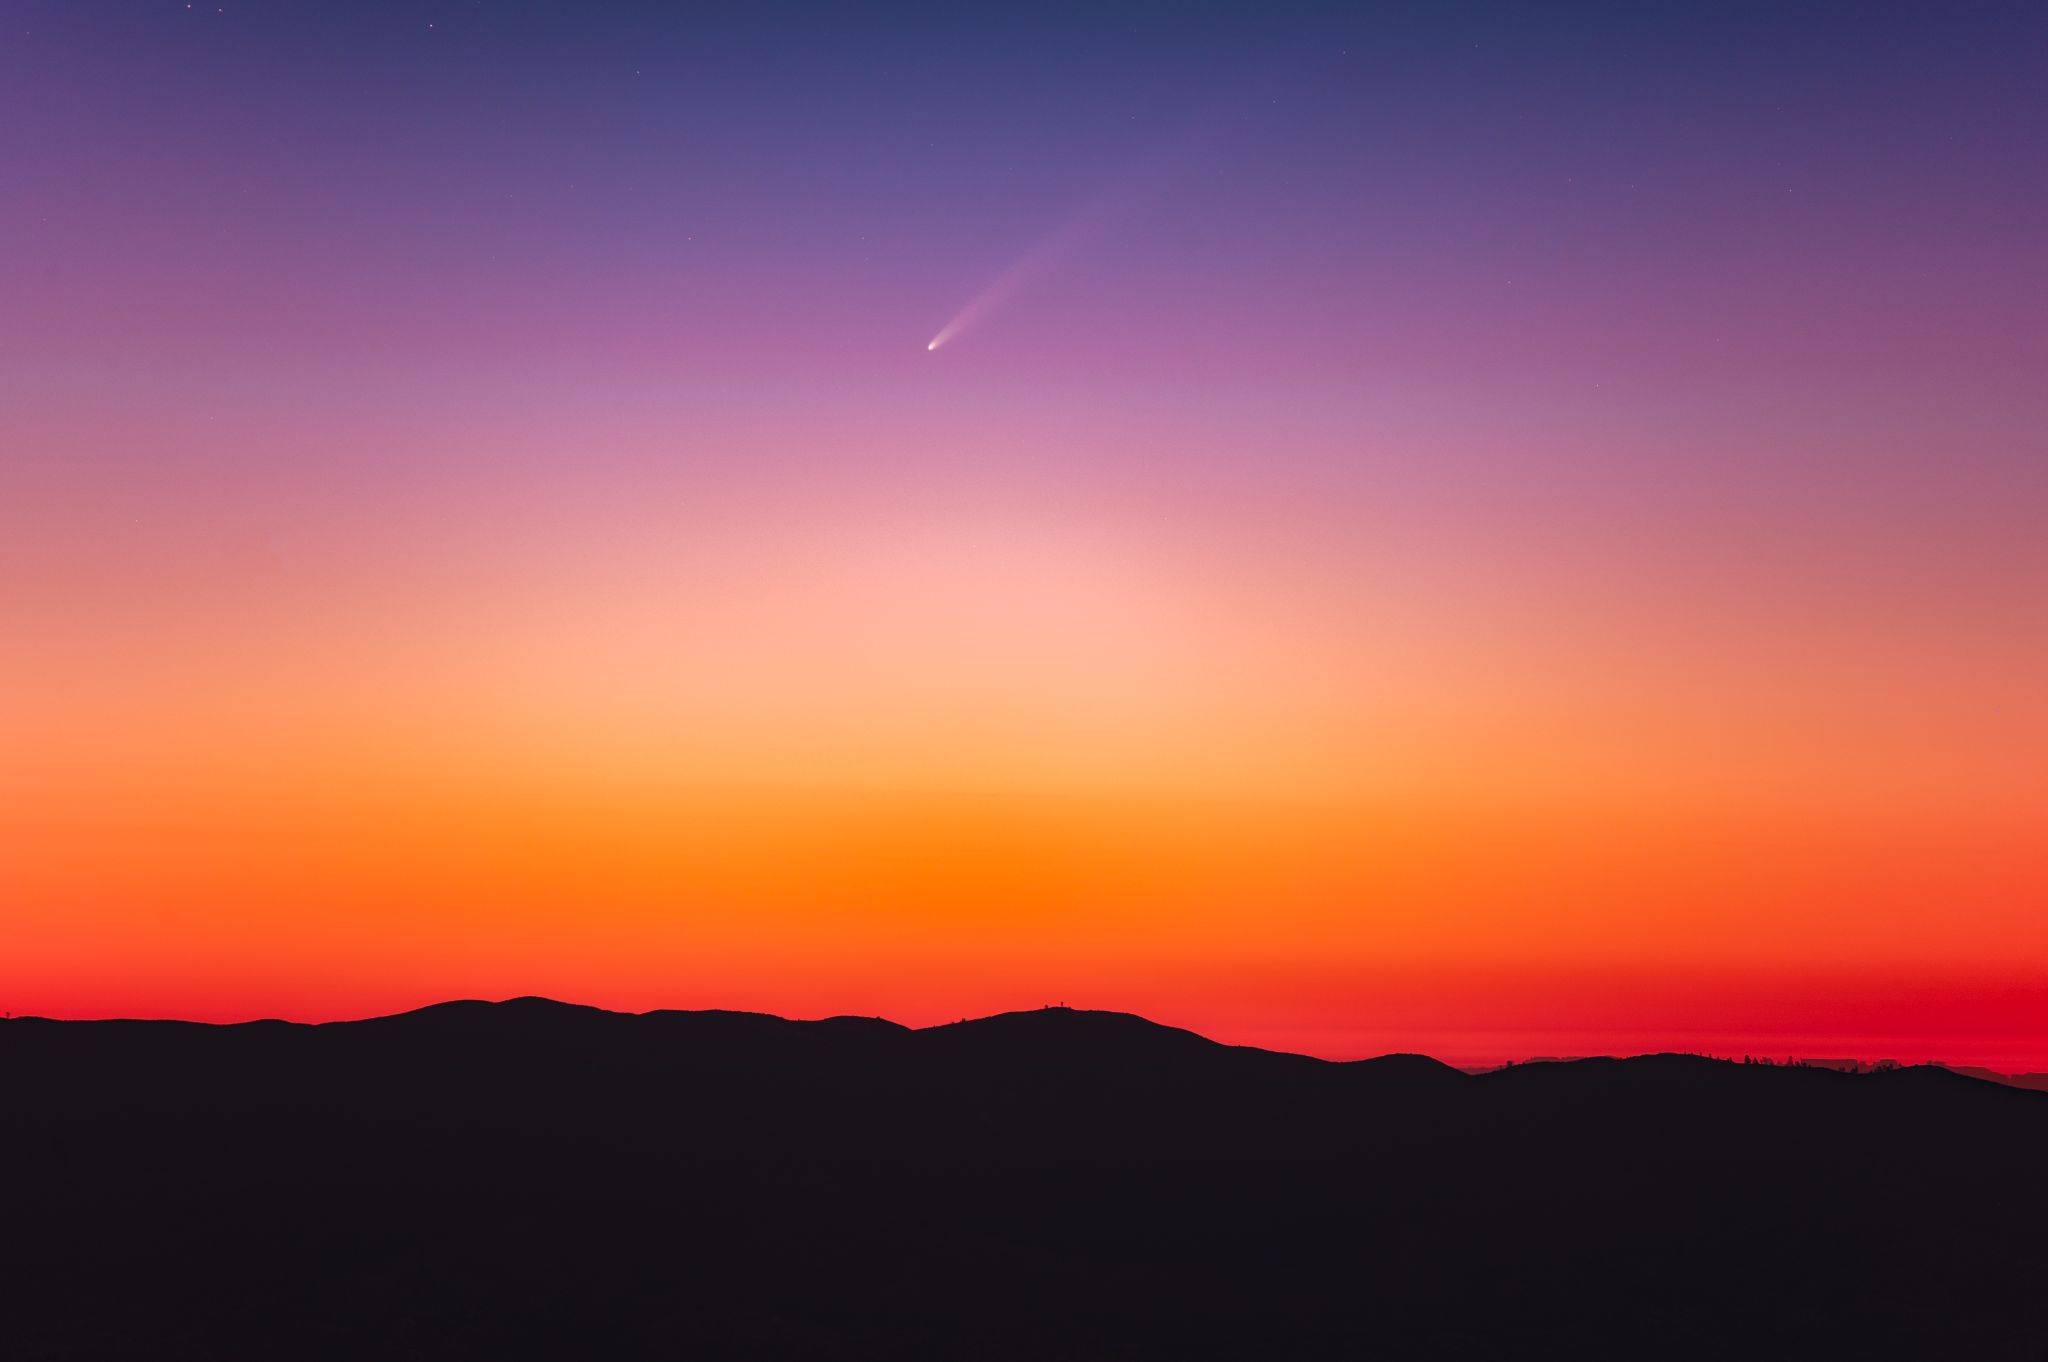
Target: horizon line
x=1841 y=1063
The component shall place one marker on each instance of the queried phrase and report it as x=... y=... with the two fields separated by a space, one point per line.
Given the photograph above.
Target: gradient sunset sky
x=1485 y=529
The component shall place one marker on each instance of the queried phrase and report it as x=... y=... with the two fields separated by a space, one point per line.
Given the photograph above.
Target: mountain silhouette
x=537 y=1179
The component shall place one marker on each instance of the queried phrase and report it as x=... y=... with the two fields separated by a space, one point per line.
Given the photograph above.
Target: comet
x=1091 y=221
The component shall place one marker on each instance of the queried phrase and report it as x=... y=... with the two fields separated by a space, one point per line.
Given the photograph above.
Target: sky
x=1493 y=530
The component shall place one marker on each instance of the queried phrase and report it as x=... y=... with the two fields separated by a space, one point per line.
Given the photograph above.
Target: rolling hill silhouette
x=536 y=1179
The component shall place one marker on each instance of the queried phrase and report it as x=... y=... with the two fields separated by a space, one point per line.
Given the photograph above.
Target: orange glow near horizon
x=948 y=765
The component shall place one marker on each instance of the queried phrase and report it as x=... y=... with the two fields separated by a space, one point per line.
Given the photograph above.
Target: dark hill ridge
x=538 y=1179
x=1044 y=1031
x=1047 y=1040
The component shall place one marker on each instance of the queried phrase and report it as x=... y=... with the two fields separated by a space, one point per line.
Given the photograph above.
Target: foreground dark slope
x=533 y=1179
